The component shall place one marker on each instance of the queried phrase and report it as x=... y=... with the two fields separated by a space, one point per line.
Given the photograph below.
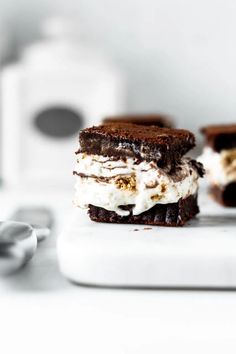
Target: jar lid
x=62 y=45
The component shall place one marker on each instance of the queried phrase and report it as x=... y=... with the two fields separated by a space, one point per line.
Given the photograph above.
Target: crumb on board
x=147 y=228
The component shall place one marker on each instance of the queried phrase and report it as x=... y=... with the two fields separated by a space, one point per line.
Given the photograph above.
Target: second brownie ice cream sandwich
x=159 y=120
x=219 y=159
x=137 y=174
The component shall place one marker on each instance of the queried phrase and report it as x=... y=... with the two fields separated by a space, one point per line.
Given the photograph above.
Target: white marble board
x=200 y=254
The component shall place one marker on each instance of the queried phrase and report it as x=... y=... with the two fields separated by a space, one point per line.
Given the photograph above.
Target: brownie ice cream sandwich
x=128 y=173
x=219 y=159
x=159 y=120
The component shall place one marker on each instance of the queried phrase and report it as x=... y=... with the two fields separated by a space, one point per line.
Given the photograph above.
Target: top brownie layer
x=220 y=137
x=162 y=145
x=160 y=120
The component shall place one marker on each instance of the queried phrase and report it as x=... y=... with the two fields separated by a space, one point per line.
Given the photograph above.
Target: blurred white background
x=178 y=55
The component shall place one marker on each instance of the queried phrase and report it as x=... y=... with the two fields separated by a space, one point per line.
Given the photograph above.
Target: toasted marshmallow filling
x=109 y=184
x=220 y=166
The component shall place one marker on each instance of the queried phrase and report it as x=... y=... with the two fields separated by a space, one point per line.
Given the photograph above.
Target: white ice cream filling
x=109 y=184
x=220 y=166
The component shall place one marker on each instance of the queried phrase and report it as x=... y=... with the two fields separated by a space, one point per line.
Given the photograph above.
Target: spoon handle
x=40 y=218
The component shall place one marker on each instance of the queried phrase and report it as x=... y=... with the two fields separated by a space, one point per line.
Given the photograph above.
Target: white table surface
x=40 y=312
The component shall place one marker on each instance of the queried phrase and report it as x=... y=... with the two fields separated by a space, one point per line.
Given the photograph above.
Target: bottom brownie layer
x=173 y=214
x=225 y=195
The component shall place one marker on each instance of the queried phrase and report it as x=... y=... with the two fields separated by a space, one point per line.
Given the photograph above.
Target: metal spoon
x=18 y=243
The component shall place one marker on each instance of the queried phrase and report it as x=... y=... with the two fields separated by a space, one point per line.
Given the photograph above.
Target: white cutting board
x=200 y=254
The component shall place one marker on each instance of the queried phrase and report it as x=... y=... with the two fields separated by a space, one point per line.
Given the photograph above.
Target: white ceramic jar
x=59 y=86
